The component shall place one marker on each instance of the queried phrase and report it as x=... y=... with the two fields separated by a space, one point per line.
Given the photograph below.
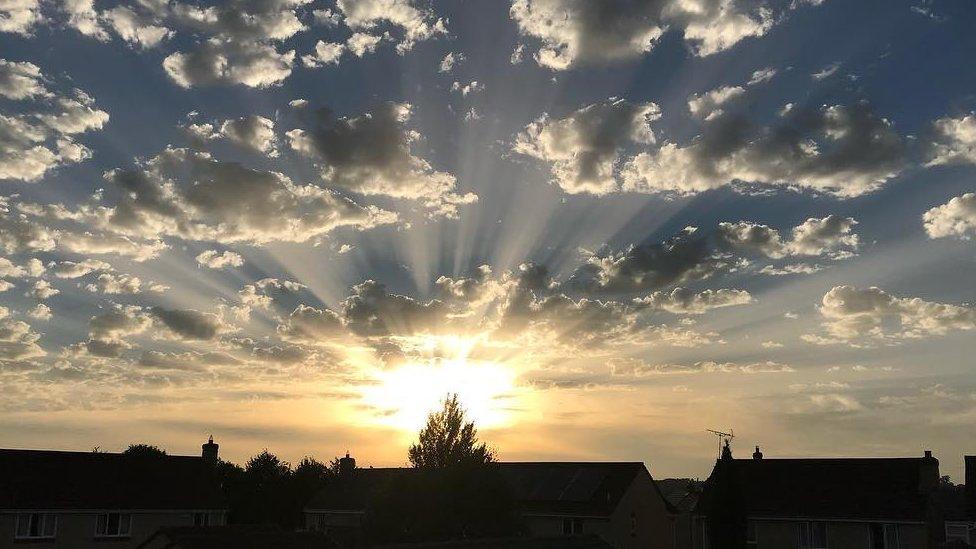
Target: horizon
x=298 y=224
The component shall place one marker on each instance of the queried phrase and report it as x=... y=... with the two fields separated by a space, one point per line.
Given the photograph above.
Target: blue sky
x=607 y=225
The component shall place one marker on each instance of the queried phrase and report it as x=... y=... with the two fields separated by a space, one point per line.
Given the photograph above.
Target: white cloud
x=214 y=260
x=685 y=301
x=584 y=149
x=451 y=60
x=412 y=23
x=957 y=217
x=21 y=80
x=41 y=290
x=372 y=154
x=252 y=132
x=831 y=236
x=252 y=64
x=326 y=53
x=955 y=141
x=40 y=312
x=19 y=16
x=857 y=316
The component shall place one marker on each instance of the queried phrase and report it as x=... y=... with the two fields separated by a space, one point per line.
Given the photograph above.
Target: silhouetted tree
x=454 y=489
x=447 y=440
x=144 y=450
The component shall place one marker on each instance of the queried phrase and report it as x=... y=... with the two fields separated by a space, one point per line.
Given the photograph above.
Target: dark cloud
x=189 y=324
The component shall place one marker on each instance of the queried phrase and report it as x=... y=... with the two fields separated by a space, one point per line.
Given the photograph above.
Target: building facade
x=872 y=503
x=96 y=499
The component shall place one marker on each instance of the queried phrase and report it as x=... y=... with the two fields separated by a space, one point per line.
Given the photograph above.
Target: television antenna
x=724 y=439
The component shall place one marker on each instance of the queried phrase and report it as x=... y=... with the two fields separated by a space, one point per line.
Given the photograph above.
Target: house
x=234 y=537
x=94 y=499
x=682 y=495
x=617 y=502
x=874 y=503
x=958 y=504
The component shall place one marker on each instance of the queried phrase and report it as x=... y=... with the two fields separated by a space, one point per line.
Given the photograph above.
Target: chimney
x=928 y=473
x=347 y=464
x=757 y=455
x=970 y=486
x=210 y=451
x=726 y=451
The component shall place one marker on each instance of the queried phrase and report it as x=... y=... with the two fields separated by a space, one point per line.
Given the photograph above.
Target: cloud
x=372 y=154
x=83 y=17
x=21 y=80
x=214 y=260
x=451 y=60
x=20 y=16
x=685 y=301
x=310 y=325
x=584 y=149
x=252 y=132
x=638 y=367
x=115 y=284
x=139 y=29
x=108 y=331
x=862 y=316
x=827 y=71
x=957 y=217
x=845 y=151
x=42 y=136
x=955 y=141
x=188 y=324
x=831 y=235
x=18 y=341
x=571 y=33
x=40 y=312
x=41 y=289
x=214 y=62
x=325 y=53
x=411 y=23
x=194 y=196
x=686 y=256
x=78 y=269
x=708 y=105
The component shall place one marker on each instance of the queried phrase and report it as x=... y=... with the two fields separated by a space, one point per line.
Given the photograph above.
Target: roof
x=562 y=542
x=569 y=488
x=43 y=479
x=235 y=537
x=859 y=488
x=681 y=493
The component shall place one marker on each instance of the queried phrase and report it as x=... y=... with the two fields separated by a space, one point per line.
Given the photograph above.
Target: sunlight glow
x=405 y=395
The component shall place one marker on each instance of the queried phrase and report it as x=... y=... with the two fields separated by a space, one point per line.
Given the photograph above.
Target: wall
x=77 y=530
x=655 y=529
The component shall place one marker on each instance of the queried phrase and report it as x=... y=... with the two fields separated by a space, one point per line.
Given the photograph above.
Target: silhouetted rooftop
x=563 y=542
x=862 y=488
x=681 y=493
x=572 y=488
x=43 y=479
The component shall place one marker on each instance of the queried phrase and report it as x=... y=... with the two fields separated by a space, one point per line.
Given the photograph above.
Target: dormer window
x=36 y=526
x=113 y=525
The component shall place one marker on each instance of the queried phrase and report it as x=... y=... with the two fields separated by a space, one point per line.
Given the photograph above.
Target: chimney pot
x=757 y=455
x=210 y=450
x=928 y=453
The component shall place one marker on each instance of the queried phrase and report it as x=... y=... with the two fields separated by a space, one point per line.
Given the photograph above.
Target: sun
x=405 y=395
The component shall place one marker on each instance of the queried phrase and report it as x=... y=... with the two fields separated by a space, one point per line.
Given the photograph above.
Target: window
x=884 y=536
x=36 y=526
x=113 y=525
x=813 y=535
x=201 y=519
x=957 y=531
x=751 y=532
x=572 y=527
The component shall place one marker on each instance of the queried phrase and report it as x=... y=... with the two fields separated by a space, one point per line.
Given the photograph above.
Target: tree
x=448 y=440
x=144 y=450
x=454 y=490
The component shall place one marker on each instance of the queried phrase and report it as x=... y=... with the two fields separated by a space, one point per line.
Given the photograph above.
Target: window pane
x=50 y=525
x=751 y=531
x=125 y=522
x=35 y=525
x=567 y=526
x=818 y=531
x=23 y=525
x=100 y=525
x=112 y=524
x=804 y=534
x=891 y=536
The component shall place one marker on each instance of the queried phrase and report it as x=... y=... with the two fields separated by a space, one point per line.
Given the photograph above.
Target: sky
x=608 y=225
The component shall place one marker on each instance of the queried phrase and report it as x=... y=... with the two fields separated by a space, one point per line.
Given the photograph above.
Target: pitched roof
x=235 y=537
x=43 y=479
x=570 y=488
x=681 y=493
x=862 y=488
